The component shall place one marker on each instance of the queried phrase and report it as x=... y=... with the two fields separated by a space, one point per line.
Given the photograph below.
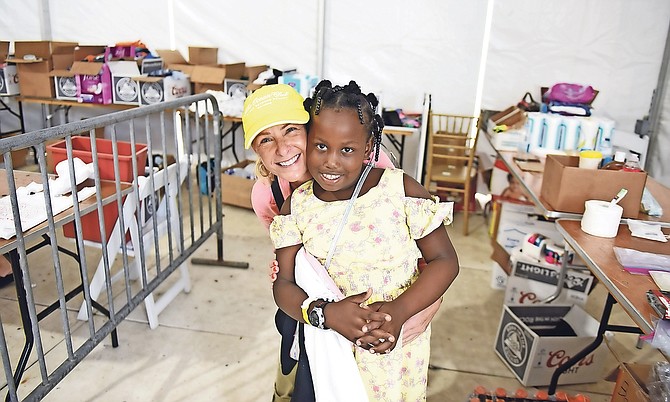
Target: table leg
x=398 y=145
x=233 y=128
x=25 y=318
x=602 y=328
x=23 y=306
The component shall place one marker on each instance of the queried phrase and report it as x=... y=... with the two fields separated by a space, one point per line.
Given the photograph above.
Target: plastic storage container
x=81 y=148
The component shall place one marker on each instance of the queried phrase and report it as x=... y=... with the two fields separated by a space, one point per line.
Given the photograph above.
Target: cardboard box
x=125 y=88
x=173 y=59
x=160 y=89
x=9 y=79
x=532 y=281
x=519 y=220
x=93 y=82
x=213 y=77
x=512 y=117
x=34 y=79
x=631 y=383
x=64 y=80
x=65 y=83
x=534 y=340
x=566 y=187
x=236 y=190
x=252 y=73
x=205 y=56
x=231 y=86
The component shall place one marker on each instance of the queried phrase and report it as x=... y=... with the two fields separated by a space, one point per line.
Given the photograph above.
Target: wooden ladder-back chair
x=451 y=160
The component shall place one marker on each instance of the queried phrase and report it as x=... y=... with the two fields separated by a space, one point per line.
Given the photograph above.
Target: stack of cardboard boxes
x=115 y=74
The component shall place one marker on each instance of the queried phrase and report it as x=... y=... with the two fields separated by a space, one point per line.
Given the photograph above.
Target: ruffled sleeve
x=284 y=231
x=425 y=215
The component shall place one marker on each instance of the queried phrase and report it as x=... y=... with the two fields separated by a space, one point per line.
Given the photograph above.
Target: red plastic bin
x=81 y=148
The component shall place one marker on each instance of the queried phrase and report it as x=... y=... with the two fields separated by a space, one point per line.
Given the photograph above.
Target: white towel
x=331 y=359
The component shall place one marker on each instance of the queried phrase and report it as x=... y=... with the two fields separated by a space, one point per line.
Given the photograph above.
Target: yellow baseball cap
x=271 y=105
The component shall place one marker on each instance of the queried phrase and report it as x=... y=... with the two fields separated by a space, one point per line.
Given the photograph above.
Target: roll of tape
x=601 y=218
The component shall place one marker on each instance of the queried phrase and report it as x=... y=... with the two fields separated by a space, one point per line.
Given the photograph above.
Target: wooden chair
x=450 y=158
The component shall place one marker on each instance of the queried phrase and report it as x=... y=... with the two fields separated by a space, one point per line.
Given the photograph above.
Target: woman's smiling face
x=282 y=150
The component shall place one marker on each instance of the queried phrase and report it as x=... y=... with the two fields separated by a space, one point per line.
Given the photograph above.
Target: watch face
x=314 y=317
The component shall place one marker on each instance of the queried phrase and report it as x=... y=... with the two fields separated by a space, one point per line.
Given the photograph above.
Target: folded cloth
x=569 y=109
x=331 y=358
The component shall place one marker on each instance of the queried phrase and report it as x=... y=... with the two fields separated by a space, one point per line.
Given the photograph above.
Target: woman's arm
x=263 y=202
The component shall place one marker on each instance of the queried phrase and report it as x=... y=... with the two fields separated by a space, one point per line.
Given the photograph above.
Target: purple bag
x=570 y=93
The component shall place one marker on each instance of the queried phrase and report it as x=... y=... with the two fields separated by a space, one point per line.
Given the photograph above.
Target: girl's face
x=282 y=150
x=337 y=145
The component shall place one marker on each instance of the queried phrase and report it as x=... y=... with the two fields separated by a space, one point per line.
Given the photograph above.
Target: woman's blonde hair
x=262 y=171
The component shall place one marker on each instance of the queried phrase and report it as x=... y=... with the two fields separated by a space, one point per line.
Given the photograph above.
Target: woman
x=274 y=120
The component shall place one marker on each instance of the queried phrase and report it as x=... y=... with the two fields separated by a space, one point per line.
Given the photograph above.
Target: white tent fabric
x=398 y=49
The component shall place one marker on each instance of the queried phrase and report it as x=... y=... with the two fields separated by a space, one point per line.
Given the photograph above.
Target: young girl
x=392 y=222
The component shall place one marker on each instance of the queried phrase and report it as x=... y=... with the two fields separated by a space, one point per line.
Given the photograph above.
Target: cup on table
x=590 y=159
x=601 y=218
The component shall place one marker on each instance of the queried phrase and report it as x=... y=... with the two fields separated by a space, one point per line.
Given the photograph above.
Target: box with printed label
x=532 y=281
x=160 y=89
x=9 y=79
x=93 y=82
x=125 y=88
x=534 y=340
x=34 y=63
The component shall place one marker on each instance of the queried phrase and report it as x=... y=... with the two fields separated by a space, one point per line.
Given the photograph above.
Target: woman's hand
x=353 y=320
x=274 y=270
x=418 y=323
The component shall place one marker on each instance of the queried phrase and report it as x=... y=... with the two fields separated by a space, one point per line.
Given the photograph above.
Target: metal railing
x=184 y=134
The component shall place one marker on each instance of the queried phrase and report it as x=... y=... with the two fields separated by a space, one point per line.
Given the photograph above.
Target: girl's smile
x=337 y=146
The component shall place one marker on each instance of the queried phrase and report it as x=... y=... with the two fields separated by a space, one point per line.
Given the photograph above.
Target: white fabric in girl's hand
x=331 y=358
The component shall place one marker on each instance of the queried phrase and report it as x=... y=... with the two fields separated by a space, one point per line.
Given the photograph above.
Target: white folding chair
x=165 y=181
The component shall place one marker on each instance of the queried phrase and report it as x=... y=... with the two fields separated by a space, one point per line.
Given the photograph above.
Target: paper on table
x=646 y=230
x=32 y=206
x=33 y=211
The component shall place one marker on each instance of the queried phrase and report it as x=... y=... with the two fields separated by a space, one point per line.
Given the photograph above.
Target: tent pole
x=45 y=20
x=657 y=99
x=320 y=37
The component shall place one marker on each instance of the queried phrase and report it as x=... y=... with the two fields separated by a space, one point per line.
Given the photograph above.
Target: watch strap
x=304 y=307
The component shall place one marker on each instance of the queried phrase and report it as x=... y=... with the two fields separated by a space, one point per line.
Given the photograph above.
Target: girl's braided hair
x=327 y=96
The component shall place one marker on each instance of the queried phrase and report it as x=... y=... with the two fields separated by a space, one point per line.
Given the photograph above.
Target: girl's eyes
x=347 y=150
x=265 y=140
x=320 y=147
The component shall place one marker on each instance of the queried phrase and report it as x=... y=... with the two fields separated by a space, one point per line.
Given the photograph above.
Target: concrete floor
x=218 y=343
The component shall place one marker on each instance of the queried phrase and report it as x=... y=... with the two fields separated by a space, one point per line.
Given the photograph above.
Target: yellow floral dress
x=377 y=250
